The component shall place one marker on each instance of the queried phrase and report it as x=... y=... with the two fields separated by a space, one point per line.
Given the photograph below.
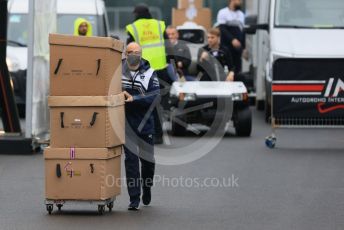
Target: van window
x=309 y=13
x=18 y=25
x=17 y=29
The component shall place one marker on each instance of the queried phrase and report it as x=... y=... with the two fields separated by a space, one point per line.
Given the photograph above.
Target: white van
x=295 y=30
x=67 y=12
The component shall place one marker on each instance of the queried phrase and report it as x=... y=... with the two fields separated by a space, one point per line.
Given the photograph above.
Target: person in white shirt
x=231 y=21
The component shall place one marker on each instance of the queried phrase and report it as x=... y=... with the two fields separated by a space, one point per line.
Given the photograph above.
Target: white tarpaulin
x=45 y=22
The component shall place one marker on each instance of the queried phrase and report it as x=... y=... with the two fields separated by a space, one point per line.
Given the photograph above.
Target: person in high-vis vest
x=82 y=27
x=150 y=34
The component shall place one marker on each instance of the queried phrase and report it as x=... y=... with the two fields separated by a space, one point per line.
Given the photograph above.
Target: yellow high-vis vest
x=149 y=33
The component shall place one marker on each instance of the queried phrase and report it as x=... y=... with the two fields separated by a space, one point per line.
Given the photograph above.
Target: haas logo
x=333 y=104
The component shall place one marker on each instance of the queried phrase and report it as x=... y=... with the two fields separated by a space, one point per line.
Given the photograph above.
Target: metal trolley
x=109 y=203
x=304 y=96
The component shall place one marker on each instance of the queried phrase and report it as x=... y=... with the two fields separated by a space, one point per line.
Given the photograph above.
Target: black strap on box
x=58 y=66
x=94 y=118
x=58 y=171
x=62 y=117
x=99 y=65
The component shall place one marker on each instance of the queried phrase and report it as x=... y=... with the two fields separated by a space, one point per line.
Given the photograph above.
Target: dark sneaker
x=134 y=204
x=133 y=207
x=147 y=196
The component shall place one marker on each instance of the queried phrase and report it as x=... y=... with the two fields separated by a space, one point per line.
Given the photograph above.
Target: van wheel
x=243 y=122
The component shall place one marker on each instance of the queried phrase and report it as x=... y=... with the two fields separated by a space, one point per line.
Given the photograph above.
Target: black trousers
x=139 y=148
x=237 y=59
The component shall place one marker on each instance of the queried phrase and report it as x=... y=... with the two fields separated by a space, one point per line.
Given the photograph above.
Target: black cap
x=141 y=9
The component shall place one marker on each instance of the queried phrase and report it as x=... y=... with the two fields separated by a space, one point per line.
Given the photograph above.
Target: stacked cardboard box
x=191 y=11
x=86 y=103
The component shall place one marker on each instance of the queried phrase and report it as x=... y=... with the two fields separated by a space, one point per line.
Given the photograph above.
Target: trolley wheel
x=101 y=209
x=110 y=206
x=270 y=142
x=50 y=208
x=59 y=206
x=243 y=122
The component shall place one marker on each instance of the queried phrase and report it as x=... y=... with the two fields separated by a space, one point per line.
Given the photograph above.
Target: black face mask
x=133 y=60
x=237 y=7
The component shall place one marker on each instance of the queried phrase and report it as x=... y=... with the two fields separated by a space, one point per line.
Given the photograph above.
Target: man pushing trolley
x=141 y=88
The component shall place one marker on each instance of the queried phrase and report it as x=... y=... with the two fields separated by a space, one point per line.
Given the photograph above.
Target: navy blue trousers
x=139 y=148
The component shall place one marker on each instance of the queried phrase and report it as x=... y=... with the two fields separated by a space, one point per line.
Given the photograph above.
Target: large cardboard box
x=184 y=4
x=87 y=122
x=82 y=174
x=201 y=17
x=85 y=66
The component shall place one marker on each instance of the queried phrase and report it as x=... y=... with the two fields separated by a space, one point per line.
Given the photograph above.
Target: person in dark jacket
x=178 y=52
x=213 y=58
x=142 y=92
x=231 y=21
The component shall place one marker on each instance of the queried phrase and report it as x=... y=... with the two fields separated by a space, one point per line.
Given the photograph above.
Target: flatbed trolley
x=109 y=203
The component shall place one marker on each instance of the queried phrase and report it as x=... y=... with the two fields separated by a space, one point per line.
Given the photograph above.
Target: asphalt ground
x=298 y=185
